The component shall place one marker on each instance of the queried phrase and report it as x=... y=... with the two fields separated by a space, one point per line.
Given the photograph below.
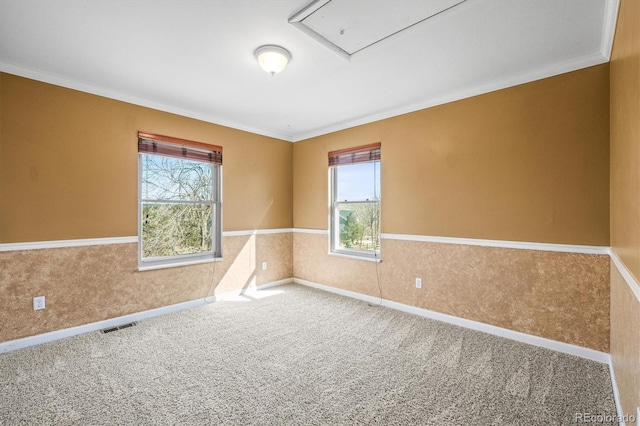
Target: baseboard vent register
x=120 y=327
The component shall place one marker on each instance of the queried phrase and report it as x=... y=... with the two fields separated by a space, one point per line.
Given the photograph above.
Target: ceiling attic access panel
x=349 y=26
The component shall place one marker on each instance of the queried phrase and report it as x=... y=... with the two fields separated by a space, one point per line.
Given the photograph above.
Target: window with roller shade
x=355 y=201
x=179 y=200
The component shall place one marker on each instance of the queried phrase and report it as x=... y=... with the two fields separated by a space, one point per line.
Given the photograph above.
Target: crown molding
x=468 y=92
x=68 y=83
x=609 y=27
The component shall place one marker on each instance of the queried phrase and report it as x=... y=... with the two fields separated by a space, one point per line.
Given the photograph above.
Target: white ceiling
x=195 y=58
x=347 y=27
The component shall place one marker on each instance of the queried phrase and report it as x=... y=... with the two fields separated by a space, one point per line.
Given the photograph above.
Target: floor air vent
x=120 y=327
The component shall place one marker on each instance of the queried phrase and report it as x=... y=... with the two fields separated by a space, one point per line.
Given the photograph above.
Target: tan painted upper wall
x=68 y=165
x=527 y=163
x=625 y=136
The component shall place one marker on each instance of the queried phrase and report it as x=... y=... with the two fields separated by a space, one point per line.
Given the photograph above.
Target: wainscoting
x=89 y=283
x=557 y=295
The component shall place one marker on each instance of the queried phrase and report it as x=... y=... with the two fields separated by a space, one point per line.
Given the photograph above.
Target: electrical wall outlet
x=38 y=303
x=418 y=282
x=264 y=266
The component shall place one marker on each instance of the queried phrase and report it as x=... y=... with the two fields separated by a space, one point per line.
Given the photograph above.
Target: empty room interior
x=320 y=212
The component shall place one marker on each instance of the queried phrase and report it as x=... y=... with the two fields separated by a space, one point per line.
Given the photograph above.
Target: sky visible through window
x=359 y=182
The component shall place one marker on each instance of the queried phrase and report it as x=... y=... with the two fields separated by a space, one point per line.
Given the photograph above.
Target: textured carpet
x=294 y=355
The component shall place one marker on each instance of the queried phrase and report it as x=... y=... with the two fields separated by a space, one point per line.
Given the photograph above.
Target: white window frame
x=215 y=254
x=334 y=220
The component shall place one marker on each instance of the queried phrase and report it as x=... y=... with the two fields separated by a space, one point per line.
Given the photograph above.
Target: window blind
x=179 y=148
x=358 y=154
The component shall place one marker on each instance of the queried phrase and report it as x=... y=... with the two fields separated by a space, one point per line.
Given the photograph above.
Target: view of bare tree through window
x=177 y=206
x=360 y=226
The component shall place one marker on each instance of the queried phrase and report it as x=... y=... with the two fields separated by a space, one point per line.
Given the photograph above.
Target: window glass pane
x=359 y=182
x=166 y=178
x=358 y=226
x=170 y=229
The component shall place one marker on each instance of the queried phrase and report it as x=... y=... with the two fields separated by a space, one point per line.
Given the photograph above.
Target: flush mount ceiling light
x=272 y=58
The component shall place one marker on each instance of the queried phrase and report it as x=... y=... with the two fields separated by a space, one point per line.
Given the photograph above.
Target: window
x=179 y=201
x=355 y=201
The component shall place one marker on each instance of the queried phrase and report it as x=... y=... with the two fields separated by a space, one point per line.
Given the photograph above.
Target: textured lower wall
x=94 y=283
x=625 y=342
x=559 y=296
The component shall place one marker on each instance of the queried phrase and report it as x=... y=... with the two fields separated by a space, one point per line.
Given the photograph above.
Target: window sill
x=356 y=257
x=151 y=267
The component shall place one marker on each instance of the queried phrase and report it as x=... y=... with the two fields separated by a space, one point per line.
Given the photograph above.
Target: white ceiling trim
x=556 y=69
x=609 y=27
x=100 y=91
x=540 y=74
x=602 y=56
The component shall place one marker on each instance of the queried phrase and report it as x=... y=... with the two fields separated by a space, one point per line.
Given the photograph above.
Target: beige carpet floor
x=295 y=355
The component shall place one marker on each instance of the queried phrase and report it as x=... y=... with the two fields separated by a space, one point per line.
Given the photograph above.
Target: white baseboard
x=251 y=287
x=591 y=354
x=26 y=342
x=474 y=325
x=275 y=283
x=616 y=394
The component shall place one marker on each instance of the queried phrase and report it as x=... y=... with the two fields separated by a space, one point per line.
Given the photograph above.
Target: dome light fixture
x=272 y=58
